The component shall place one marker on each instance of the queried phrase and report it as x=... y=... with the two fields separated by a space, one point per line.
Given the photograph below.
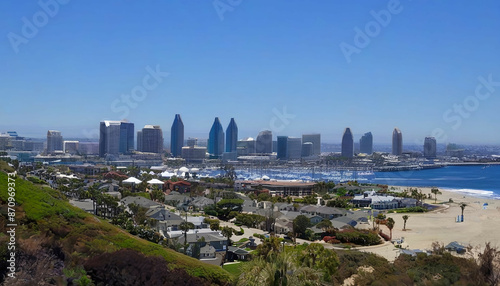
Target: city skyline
x=313 y=138
x=289 y=74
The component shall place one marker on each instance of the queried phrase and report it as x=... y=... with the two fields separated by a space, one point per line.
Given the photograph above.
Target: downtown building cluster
x=117 y=138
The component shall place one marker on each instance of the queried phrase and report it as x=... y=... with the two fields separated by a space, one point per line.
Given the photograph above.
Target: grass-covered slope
x=43 y=214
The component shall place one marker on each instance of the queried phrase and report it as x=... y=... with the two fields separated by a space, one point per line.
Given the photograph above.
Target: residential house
x=236 y=253
x=322 y=211
x=284 y=207
x=283 y=225
x=177 y=199
x=207 y=252
x=140 y=201
x=199 y=203
x=211 y=238
x=264 y=205
x=249 y=206
x=284 y=222
x=279 y=188
x=164 y=219
x=178 y=186
x=198 y=222
x=343 y=222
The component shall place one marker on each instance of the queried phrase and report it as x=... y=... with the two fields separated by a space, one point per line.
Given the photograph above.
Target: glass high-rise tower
x=430 y=147
x=54 y=141
x=115 y=137
x=177 y=136
x=150 y=139
x=366 y=143
x=282 y=147
x=347 y=144
x=216 y=139
x=315 y=139
x=231 y=136
x=294 y=148
x=397 y=142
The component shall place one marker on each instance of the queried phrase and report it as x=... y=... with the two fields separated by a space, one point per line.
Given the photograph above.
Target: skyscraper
x=216 y=139
x=430 y=147
x=347 y=144
x=191 y=142
x=315 y=139
x=307 y=149
x=115 y=137
x=246 y=146
x=281 y=153
x=71 y=147
x=177 y=136
x=397 y=142
x=366 y=143
x=231 y=136
x=150 y=139
x=139 y=141
x=54 y=141
x=126 y=137
x=264 y=142
x=294 y=148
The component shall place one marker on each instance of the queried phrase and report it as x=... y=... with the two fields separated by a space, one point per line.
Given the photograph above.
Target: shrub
x=412 y=210
x=129 y=267
x=359 y=237
x=35 y=180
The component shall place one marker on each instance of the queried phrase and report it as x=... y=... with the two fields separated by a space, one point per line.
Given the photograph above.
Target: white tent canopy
x=155 y=182
x=167 y=174
x=132 y=180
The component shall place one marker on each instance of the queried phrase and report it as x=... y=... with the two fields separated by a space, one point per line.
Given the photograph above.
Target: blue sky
x=250 y=61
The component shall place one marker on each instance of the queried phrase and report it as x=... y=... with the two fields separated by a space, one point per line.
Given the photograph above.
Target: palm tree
x=462 y=206
x=380 y=218
x=280 y=269
x=390 y=225
x=405 y=218
x=417 y=194
x=185 y=227
x=436 y=192
x=269 y=246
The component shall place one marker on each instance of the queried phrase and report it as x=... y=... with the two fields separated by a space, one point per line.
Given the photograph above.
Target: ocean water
x=478 y=181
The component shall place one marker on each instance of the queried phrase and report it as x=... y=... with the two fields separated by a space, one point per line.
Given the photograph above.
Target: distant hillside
x=58 y=243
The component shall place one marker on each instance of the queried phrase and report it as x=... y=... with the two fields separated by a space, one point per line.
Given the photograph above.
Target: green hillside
x=47 y=222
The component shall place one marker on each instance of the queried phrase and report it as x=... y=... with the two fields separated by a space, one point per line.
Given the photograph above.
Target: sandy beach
x=480 y=225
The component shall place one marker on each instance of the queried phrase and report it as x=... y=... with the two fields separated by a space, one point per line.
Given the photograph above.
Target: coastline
x=478 y=227
x=477 y=193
